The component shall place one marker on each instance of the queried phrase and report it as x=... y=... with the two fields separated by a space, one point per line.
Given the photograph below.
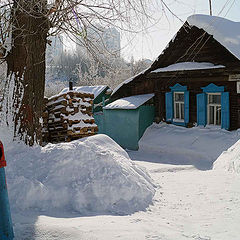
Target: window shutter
x=186 y=107
x=201 y=109
x=169 y=106
x=225 y=118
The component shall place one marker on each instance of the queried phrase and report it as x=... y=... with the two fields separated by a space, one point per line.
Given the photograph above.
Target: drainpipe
x=6 y=227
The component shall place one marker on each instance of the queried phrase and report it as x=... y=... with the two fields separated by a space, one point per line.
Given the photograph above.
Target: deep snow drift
x=91 y=175
x=197 y=146
x=229 y=160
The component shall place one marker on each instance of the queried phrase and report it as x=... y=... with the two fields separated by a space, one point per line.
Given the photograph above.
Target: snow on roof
x=96 y=90
x=132 y=102
x=223 y=30
x=128 y=80
x=187 y=66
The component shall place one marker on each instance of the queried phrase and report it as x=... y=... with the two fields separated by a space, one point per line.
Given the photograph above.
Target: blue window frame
x=213 y=107
x=177 y=105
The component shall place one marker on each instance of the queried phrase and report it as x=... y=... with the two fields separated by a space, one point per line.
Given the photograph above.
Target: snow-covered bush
x=91 y=175
x=55 y=86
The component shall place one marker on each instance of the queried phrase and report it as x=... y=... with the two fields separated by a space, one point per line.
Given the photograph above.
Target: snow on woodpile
x=187 y=66
x=95 y=90
x=68 y=116
x=132 y=102
x=89 y=175
x=229 y=160
x=223 y=30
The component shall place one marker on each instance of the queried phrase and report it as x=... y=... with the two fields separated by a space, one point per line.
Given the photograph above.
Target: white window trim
x=178 y=120
x=174 y=113
x=208 y=109
x=211 y=126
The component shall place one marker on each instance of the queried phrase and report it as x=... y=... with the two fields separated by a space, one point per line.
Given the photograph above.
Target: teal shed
x=126 y=119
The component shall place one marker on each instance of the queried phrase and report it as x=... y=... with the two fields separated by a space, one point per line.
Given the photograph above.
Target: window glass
x=211 y=114
x=218 y=115
x=214 y=99
x=179 y=97
x=179 y=105
x=214 y=109
x=182 y=111
x=177 y=114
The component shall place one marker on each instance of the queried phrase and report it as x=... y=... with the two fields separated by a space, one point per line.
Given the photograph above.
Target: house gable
x=192 y=44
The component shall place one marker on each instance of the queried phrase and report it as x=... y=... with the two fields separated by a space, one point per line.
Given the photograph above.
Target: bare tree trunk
x=29 y=22
x=26 y=67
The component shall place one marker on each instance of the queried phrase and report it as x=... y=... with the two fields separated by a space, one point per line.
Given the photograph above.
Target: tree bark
x=26 y=67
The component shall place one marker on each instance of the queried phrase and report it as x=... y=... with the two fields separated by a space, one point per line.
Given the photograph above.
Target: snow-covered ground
x=191 y=201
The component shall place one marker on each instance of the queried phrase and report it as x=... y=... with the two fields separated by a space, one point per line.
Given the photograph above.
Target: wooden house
x=196 y=78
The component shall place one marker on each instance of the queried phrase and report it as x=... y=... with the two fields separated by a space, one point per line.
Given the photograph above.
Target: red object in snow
x=2 y=157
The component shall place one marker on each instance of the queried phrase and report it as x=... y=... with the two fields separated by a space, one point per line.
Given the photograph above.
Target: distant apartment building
x=104 y=39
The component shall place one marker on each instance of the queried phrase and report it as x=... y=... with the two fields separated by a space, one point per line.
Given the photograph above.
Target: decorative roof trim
x=178 y=87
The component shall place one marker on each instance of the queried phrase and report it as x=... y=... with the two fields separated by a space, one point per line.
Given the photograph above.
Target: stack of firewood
x=68 y=116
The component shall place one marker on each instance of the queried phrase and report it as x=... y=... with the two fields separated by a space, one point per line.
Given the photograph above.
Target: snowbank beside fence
x=91 y=175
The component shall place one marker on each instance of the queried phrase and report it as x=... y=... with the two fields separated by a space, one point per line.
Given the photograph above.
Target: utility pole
x=6 y=227
x=210 y=6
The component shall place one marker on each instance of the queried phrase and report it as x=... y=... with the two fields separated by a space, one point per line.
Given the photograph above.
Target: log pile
x=68 y=117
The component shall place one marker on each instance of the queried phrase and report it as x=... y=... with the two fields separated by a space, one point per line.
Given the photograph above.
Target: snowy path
x=189 y=204
x=195 y=204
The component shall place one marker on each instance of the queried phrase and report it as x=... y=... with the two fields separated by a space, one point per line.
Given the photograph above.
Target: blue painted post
x=225 y=110
x=186 y=107
x=201 y=109
x=169 y=106
x=6 y=228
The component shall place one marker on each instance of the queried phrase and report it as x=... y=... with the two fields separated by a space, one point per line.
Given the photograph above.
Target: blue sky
x=150 y=43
